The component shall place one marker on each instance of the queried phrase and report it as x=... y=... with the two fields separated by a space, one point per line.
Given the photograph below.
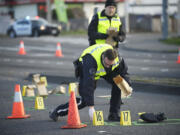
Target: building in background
x=140 y=15
x=146 y=15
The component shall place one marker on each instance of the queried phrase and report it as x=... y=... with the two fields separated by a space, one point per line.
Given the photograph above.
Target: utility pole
x=127 y=16
x=164 y=19
x=48 y=15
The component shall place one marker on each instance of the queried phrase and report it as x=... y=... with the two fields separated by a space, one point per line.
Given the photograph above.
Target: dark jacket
x=93 y=34
x=88 y=83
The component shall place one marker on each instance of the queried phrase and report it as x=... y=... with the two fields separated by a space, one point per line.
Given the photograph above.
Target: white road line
x=19 y=60
x=45 y=62
x=102 y=132
x=9 y=48
x=146 y=60
x=149 y=55
x=41 y=55
x=150 y=61
x=31 y=61
x=163 y=56
x=163 y=61
x=164 y=70
x=144 y=68
x=6 y=60
x=59 y=63
x=137 y=54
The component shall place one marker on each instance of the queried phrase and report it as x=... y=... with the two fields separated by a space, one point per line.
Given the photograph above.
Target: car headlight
x=42 y=28
x=59 y=27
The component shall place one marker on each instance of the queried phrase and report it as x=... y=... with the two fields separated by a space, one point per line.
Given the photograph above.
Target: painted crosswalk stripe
x=31 y=61
x=45 y=62
x=145 y=68
x=19 y=60
x=6 y=59
x=164 y=70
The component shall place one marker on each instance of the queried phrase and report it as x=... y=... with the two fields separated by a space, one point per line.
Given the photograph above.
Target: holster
x=77 y=66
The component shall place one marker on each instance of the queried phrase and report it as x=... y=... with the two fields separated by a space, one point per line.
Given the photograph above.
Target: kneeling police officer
x=97 y=61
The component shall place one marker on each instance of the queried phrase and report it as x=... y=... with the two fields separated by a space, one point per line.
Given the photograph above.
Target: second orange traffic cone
x=18 y=106
x=178 y=61
x=58 y=51
x=21 y=48
x=73 y=114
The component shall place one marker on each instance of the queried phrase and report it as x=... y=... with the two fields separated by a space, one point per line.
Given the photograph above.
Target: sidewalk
x=148 y=42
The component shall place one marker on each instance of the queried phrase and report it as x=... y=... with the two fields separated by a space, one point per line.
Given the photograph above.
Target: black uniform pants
x=62 y=109
x=115 y=101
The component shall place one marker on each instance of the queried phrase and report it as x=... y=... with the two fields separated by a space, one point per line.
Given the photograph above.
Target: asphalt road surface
x=40 y=58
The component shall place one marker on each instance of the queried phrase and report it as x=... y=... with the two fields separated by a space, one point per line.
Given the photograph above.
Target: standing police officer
x=102 y=22
x=97 y=61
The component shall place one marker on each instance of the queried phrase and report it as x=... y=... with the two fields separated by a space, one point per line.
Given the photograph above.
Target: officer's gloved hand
x=119 y=38
x=91 y=112
x=122 y=36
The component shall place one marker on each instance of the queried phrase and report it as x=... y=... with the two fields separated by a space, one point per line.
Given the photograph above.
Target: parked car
x=32 y=27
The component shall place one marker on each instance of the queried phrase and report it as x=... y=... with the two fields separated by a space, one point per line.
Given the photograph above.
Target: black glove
x=116 y=38
x=153 y=118
x=119 y=38
x=122 y=36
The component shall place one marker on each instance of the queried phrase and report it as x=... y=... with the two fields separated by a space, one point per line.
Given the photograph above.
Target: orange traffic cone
x=21 y=48
x=18 y=106
x=58 y=51
x=178 y=61
x=73 y=114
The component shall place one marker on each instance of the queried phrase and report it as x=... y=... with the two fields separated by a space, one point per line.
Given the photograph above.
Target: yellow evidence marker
x=39 y=103
x=125 y=118
x=98 y=119
x=24 y=90
x=44 y=79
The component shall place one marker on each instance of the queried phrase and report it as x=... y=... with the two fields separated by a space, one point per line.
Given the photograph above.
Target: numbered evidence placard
x=125 y=118
x=98 y=119
x=39 y=103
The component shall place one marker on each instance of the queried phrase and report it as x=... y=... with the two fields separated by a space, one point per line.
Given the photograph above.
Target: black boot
x=114 y=117
x=53 y=115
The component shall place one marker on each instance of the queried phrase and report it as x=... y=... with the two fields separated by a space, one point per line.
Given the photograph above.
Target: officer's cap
x=110 y=3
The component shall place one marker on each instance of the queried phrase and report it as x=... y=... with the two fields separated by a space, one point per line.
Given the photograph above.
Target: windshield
x=39 y=22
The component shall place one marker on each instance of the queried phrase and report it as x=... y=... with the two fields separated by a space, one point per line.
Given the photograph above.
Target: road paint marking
x=163 y=56
x=164 y=70
x=31 y=61
x=149 y=55
x=45 y=62
x=102 y=131
x=19 y=60
x=144 y=68
x=8 y=48
x=146 y=60
x=41 y=55
x=59 y=63
x=6 y=59
x=105 y=96
x=163 y=61
x=137 y=54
